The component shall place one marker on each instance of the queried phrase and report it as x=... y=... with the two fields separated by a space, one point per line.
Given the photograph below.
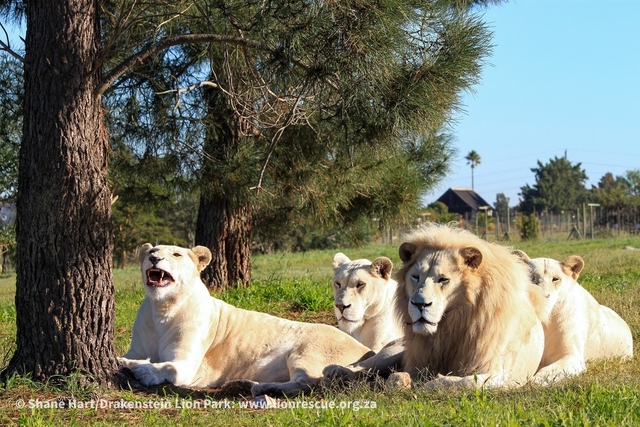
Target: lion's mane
x=493 y=305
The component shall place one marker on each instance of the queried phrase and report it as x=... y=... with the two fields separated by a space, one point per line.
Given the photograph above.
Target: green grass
x=298 y=286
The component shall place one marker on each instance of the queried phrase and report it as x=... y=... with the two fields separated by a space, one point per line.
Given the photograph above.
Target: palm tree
x=473 y=159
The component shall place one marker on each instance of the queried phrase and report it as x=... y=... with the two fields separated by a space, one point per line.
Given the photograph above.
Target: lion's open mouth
x=158 y=278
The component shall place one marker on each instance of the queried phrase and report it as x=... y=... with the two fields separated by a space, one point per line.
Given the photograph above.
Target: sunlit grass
x=298 y=286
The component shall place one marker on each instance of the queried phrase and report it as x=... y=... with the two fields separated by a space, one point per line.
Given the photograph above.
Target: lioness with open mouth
x=186 y=337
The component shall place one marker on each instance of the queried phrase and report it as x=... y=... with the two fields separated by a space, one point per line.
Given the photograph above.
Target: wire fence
x=590 y=221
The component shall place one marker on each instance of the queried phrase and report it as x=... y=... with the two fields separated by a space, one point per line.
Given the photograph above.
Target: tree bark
x=224 y=214
x=225 y=229
x=64 y=287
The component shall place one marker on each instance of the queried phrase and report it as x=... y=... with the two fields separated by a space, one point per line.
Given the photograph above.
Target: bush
x=530 y=227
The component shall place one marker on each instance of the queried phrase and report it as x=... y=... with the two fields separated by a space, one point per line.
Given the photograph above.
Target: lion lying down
x=579 y=328
x=186 y=337
x=363 y=296
x=468 y=304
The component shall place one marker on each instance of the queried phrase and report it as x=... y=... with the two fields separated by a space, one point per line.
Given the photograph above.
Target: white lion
x=470 y=311
x=364 y=299
x=184 y=336
x=579 y=328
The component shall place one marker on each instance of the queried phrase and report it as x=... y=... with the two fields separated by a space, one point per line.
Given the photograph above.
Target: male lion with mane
x=185 y=336
x=468 y=307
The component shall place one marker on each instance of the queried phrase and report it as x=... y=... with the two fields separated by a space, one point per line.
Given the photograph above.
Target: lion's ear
x=472 y=256
x=204 y=256
x=523 y=256
x=144 y=251
x=407 y=251
x=381 y=267
x=572 y=266
x=339 y=259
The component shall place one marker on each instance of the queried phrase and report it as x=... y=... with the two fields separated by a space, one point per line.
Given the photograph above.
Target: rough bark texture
x=64 y=289
x=224 y=216
x=226 y=230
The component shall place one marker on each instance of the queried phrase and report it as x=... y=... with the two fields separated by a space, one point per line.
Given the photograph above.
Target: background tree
x=632 y=178
x=529 y=227
x=559 y=186
x=473 y=159
x=439 y=212
x=502 y=206
x=612 y=193
x=10 y=131
x=11 y=98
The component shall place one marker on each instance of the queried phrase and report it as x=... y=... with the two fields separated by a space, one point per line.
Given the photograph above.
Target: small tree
x=529 y=227
x=473 y=159
x=439 y=212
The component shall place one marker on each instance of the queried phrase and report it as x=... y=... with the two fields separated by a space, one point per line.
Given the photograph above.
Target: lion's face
x=165 y=269
x=552 y=276
x=435 y=283
x=359 y=289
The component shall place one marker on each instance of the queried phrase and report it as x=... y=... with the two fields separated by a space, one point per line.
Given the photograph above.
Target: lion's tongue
x=158 y=278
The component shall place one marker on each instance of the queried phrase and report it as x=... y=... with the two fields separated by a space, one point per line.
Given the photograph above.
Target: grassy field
x=297 y=286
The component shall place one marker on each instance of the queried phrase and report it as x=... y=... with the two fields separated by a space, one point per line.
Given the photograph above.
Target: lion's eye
x=360 y=285
x=336 y=284
x=443 y=280
x=555 y=279
x=415 y=278
x=177 y=254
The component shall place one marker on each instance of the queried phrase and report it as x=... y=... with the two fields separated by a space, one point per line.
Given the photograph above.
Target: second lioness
x=364 y=297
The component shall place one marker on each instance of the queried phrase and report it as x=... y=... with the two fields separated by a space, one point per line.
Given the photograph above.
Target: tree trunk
x=225 y=229
x=64 y=288
x=225 y=214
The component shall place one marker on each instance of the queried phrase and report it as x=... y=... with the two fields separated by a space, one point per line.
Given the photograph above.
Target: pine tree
x=364 y=86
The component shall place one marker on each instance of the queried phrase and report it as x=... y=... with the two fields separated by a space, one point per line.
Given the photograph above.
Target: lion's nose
x=341 y=307
x=154 y=259
x=421 y=305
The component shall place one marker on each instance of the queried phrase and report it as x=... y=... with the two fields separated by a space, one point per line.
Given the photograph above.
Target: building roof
x=463 y=200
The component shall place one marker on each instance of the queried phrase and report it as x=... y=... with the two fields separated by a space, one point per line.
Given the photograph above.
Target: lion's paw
x=238 y=387
x=130 y=363
x=147 y=374
x=337 y=373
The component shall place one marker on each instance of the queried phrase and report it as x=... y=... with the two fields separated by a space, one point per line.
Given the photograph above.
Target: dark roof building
x=464 y=201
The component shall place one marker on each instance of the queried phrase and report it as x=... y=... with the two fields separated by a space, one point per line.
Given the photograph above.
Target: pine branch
x=168 y=42
x=6 y=47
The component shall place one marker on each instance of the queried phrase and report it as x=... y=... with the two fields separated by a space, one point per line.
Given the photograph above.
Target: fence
x=591 y=221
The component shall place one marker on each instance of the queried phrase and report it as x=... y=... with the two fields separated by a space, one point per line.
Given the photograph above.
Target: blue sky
x=564 y=75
